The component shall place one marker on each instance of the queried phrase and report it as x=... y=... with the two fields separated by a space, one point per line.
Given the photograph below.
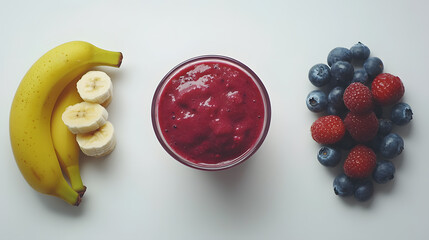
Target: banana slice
x=107 y=102
x=98 y=143
x=84 y=117
x=95 y=87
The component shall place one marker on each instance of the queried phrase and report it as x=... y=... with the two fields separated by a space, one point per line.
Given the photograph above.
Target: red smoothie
x=211 y=111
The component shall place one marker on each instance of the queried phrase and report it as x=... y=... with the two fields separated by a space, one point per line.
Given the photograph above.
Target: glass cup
x=246 y=153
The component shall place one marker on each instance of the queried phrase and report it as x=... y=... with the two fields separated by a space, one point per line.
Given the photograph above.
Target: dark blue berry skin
x=342 y=73
x=360 y=75
x=384 y=171
x=317 y=101
x=360 y=52
x=332 y=110
x=339 y=54
x=343 y=185
x=373 y=66
x=401 y=114
x=385 y=126
x=391 y=146
x=329 y=156
x=364 y=190
x=319 y=75
x=335 y=97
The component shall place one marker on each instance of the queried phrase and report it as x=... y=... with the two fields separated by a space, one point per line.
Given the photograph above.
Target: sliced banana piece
x=107 y=102
x=95 y=87
x=84 y=117
x=98 y=143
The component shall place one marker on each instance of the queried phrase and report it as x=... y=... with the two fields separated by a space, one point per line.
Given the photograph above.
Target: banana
x=84 y=117
x=98 y=143
x=31 y=111
x=64 y=141
x=95 y=87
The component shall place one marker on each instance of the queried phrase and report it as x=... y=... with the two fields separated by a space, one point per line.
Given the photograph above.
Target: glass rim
x=224 y=164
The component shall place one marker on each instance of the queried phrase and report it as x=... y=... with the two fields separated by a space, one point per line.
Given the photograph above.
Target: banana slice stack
x=88 y=119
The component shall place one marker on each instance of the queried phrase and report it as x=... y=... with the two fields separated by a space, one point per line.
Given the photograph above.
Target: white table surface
x=282 y=192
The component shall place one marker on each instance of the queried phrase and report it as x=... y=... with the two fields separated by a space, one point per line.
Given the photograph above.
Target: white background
x=282 y=192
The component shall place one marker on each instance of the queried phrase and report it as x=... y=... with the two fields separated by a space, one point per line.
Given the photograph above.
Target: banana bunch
x=88 y=119
x=42 y=145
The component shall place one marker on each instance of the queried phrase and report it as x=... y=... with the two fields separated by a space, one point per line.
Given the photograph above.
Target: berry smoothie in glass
x=211 y=112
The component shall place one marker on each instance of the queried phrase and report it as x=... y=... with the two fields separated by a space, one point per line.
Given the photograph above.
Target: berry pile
x=360 y=106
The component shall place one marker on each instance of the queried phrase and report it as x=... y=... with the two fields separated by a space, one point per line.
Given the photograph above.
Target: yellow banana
x=64 y=141
x=31 y=111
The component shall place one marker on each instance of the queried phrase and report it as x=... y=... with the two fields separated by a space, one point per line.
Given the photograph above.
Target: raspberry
x=362 y=127
x=387 y=89
x=360 y=162
x=328 y=129
x=358 y=98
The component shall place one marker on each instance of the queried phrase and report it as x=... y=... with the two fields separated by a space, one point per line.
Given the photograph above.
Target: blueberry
x=391 y=146
x=319 y=75
x=373 y=66
x=401 y=114
x=363 y=190
x=360 y=75
x=333 y=110
x=360 y=52
x=335 y=97
x=383 y=172
x=343 y=185
x=385 y=126
x=329 y=156
x=339 y=54
x=342 y=73
x=317 y=101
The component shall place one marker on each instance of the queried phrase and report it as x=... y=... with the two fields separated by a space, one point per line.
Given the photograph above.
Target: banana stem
x=108 y=58
x=65 y=192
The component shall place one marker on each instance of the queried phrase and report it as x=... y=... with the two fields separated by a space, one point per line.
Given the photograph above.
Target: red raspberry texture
x=328 y=129
x=387 y=89
x=358 y=98
x=360 y=162
x=362 y=127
